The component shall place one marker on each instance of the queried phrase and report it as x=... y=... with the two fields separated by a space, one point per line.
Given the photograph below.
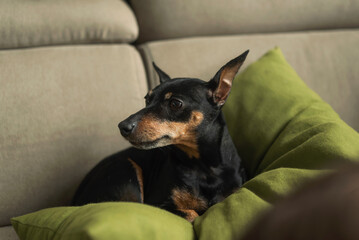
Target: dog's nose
x=126 y=128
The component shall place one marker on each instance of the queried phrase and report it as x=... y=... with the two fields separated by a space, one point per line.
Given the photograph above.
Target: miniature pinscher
x=184 y=160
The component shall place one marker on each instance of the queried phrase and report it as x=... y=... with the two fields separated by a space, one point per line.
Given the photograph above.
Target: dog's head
x=179 y=109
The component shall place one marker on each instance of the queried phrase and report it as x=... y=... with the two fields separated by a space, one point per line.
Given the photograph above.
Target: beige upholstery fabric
x=60 y=108
x=327 y=61
x=27 y=23
x=8 y=233
x=163 y=19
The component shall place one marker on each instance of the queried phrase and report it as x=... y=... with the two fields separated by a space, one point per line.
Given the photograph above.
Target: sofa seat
x=325 y=60
x=8 y=233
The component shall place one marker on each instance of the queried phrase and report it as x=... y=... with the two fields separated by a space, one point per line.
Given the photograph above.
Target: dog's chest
x=185 y=185
x=200 y=189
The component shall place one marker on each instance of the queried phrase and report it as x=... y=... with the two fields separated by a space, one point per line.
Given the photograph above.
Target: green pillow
x=105 y=221
x=285 y=135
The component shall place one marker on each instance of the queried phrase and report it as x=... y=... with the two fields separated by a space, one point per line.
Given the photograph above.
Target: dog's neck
x=218 y=163
x=213 y=147
x=215 y=144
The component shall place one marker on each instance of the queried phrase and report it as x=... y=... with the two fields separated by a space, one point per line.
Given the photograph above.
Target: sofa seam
x=136 y=72
x=147 y=57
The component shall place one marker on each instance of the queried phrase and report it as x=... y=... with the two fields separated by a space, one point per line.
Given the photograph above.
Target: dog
x=183 y=159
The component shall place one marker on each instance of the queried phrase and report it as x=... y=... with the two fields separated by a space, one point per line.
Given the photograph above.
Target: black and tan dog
x=184 y=160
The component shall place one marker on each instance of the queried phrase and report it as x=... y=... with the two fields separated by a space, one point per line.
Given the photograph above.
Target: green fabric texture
x=285 y=133
x=105 y=221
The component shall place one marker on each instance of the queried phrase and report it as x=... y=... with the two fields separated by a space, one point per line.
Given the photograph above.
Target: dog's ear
x=161 y=74
x=220 y=85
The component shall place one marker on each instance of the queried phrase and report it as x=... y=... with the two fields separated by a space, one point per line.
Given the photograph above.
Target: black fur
x=211 y=177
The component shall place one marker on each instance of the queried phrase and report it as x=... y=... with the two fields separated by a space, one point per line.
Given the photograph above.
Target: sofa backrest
x=60 y=105
x=60 y=108
x=163 y=19
x=325 y=60
x=25 y=23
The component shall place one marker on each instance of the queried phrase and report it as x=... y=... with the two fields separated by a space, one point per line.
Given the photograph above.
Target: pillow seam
x=32 y=225
x=63 y=222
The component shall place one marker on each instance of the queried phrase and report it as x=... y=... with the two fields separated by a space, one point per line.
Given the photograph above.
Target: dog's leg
x=190 y=215
x=139 y=175
x=114 y=179
x=187 y=204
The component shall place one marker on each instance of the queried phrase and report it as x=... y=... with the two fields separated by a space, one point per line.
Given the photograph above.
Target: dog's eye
x=175 y=104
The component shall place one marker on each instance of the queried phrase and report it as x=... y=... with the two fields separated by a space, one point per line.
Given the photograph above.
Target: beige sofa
x=71 y=70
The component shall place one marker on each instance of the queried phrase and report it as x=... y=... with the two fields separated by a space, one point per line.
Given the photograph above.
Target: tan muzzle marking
x=182 y=134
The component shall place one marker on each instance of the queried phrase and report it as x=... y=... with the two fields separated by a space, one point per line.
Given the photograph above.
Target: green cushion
x=285 y=135
x=105 y=221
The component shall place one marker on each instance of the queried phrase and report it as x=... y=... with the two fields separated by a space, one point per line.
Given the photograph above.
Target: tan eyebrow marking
x=168 y=95
x=150 y=92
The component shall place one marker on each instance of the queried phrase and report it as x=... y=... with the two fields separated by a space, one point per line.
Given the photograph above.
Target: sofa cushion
x=8 y=233
x=326 y=61
x=163 y=19
x=285 y=134
x=60 y=108
x=105 y=221
x=26 y=23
